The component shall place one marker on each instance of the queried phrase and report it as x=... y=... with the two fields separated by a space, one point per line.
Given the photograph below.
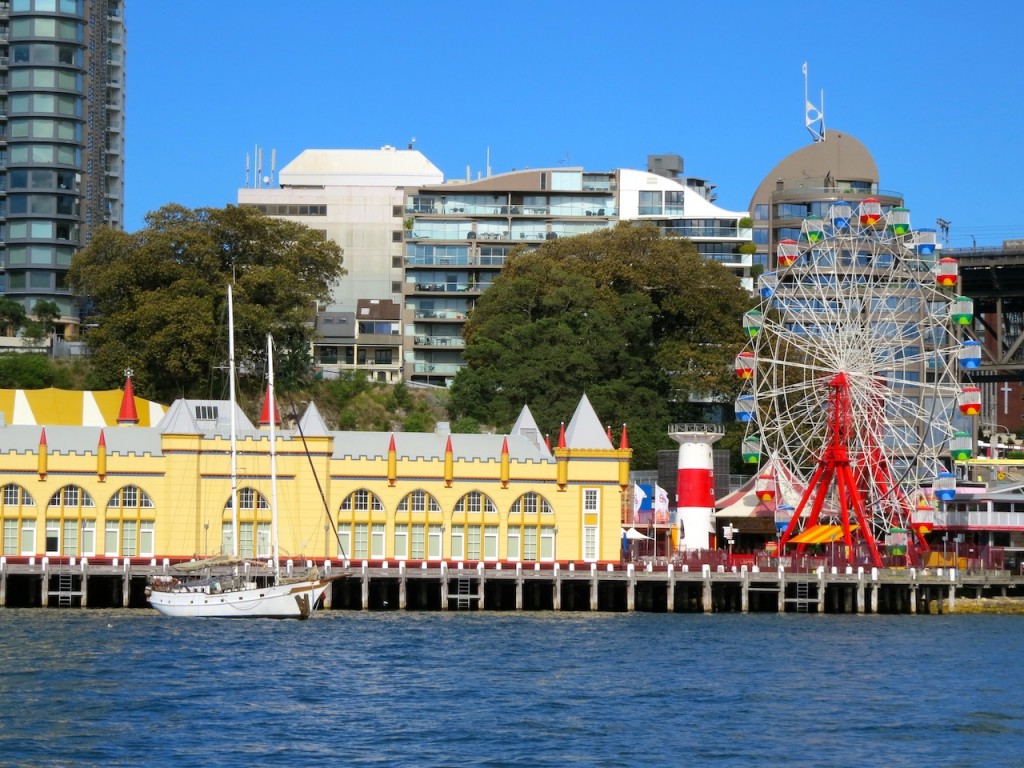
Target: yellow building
x=164 y=491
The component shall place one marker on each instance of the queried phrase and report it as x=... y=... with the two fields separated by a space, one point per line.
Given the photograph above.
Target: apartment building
x=62 y=120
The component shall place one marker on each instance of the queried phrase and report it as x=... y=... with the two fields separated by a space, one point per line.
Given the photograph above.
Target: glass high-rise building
x=62 y=90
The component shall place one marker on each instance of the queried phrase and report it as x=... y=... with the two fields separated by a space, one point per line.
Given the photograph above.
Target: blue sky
x=932 y=88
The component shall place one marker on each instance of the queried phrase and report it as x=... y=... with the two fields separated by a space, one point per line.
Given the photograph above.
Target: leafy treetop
x=642 y=324
x=159 y=296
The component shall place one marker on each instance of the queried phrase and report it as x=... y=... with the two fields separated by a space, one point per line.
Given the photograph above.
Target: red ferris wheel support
x=834 y=468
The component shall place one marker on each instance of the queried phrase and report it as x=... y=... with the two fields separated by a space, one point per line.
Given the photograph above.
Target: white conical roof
x=585 y=430
x=312 y=424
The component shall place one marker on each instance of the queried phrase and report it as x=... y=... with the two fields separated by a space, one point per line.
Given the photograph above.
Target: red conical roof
x=624 y=441
x=128 y=414
x=561 y=436
x=265 y=412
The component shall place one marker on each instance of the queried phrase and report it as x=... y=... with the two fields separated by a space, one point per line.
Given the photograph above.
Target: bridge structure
x=994 y=278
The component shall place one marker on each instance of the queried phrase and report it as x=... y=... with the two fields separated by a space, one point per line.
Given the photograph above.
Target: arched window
x=419 y=527
x=531 y=529
x=130 y=526
x=254 y=523
x=19 y=520
x=362 y=524
x=70 y=522
x=473 y=536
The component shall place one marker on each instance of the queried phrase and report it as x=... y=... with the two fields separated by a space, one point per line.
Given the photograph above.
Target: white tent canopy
x=634 y=535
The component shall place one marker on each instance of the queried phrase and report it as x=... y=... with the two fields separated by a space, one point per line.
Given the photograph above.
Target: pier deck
x=433 y=585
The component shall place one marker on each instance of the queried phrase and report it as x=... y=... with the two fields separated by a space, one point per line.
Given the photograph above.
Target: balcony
x=442 y=369
x=439 y=314
x=723 y=233
x=447 y=342
x=448 y=287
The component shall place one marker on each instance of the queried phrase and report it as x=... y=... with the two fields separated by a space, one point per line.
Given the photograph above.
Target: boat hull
x=295 y=600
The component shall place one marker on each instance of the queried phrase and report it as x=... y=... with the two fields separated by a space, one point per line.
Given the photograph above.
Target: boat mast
x=272 y=410
x=234 y=426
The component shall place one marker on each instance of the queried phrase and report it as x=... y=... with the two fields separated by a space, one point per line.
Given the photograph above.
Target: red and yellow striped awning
x=820 y=534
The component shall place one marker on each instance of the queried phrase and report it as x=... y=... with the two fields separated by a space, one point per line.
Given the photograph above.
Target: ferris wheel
x=853 y=400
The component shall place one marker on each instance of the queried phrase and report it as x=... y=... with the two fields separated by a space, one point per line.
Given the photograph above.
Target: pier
x=608 y=587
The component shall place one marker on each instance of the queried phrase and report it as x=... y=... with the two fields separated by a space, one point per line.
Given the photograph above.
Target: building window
x=52 y=537
x=512 y=551
x=458 y=541
x=10 y=537
x=110 y=538
x=227 y=538
x=345 y=539
x=88 y=537
x=473 y=542
x=382 y=356
x=129 y=541
x=147 y=538
x=490 y=542
x=591 y=519
x=361 y=548
x=263 y=540
x=418 y=541
x=377 y=541
x=650 y=203
x=674 y=203
x=28 y=537
x=435 y=535
x=401 y=542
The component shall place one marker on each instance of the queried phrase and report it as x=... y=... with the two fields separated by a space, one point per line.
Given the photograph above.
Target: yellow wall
x=189 y=486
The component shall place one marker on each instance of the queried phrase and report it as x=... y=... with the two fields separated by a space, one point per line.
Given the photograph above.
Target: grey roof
x=182 y=418
x=413 y=445
x=125 y=440
x=527 y=427
x=585 y=430
x=525 y=443
x=312 y=424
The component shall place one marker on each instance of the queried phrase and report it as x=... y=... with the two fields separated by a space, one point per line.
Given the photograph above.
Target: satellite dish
x=266 y=179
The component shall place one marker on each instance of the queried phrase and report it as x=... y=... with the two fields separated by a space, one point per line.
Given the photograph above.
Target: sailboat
x=214 y=587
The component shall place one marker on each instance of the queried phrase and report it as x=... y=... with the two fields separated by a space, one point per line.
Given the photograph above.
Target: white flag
x=638 y=497
x=660 y=499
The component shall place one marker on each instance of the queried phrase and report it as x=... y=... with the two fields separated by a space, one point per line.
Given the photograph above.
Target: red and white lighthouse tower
x=695 y=495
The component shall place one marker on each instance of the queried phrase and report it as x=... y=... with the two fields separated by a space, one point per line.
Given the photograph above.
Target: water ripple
x=127 y=688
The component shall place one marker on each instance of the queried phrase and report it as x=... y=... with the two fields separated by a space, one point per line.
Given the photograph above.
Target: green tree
x=45 y=315
x=638 y=322
x=29 y=371
x=12 y=317
x=160 y=296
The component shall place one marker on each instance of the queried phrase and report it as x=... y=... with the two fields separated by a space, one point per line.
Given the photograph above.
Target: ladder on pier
x=803 y=596
x=65 y=587
x=464 y=595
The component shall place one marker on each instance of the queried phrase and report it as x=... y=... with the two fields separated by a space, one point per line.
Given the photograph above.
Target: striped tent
x=820 y=534
x=62 y=407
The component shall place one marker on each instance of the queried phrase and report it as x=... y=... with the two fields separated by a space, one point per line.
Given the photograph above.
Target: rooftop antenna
x=814 y=117
x=273 y=166
x=259 y=167
x=412 y=143
x=943 y=226
x=247 y=159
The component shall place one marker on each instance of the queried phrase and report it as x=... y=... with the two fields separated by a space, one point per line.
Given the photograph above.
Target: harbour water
x=127 y=688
